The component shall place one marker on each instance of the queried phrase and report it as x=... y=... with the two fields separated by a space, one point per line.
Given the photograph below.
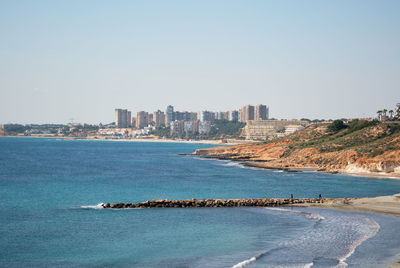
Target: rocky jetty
x=212 y=203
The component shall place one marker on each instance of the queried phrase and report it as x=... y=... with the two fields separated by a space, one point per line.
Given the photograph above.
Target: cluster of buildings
x=186 y=123
x=267 y=129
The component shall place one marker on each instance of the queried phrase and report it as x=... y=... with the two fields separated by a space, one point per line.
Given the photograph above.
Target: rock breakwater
x=199 y=203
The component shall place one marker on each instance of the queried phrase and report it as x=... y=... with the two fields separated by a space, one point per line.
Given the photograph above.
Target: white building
x=204 y=127
x=188 y=127
x=290 y=129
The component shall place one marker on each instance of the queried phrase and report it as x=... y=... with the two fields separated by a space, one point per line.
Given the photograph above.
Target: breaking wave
x=98 y=206
x=329 y=243
x=233 y=164
x=308 y=215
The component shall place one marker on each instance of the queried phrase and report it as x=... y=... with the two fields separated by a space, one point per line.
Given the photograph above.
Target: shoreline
x=262 y=165
x=211 y=142
x=373 y=175
x=385 y=205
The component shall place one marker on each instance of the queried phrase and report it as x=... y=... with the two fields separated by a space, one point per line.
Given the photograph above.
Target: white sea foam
x=305 y=214
x=345 y=233
x=369 y=231
x=98 y=206
x=253 y=259
x=233 y=164
x=314 y=216
x=330 y=242
x=245 y=262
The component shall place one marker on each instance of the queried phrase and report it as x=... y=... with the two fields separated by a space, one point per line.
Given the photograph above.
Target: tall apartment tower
x=205 y=116
x=142 y=119
x=169 y=115
x=121 y=118
x=233 y=116
x=261 y=112
x=133 y=121
x=246 y=113
x=159 y=118
x=128 y=119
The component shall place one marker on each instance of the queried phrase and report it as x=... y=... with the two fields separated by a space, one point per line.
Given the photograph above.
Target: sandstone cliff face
x=372 y=149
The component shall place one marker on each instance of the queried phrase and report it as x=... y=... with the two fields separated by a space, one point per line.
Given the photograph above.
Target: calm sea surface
x=49 y=191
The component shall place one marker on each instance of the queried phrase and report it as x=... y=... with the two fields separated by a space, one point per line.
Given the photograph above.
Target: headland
x=368 y=149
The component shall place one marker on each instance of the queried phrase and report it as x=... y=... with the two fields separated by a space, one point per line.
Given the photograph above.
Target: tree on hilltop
x=391 y=114
x=384 y=114
x=379 y=112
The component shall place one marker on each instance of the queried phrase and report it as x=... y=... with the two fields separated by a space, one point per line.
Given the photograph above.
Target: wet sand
x=388 y=205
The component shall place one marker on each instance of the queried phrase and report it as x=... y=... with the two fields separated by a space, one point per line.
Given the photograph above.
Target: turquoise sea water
x=49 y=190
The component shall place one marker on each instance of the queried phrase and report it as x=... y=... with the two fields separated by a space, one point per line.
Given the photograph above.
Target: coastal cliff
x=362 y=147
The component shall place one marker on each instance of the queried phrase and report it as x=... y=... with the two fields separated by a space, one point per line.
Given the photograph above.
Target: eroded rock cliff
x=362 y=147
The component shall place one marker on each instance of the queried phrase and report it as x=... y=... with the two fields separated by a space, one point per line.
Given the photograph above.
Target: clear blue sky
x=81 y=59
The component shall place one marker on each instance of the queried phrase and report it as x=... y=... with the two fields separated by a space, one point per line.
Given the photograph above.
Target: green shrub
x=336 y=126
x=377 y=152
x=359 y=124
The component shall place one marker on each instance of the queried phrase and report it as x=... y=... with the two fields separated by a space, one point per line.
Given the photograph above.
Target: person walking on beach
x=291 y=196
x=320 y=196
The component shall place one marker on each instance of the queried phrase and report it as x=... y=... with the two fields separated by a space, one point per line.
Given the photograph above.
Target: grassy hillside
x=365 y=137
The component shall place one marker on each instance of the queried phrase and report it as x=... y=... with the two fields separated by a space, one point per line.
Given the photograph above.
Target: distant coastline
x=96 y=138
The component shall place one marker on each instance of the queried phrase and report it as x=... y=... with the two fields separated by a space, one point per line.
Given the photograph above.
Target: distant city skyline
x=79 y=60
x=125 y=119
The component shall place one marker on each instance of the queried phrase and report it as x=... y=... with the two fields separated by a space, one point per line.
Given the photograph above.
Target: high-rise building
x=193 y=116
x=204 y=127
x=169 y=115
x=142 y=119
x=261 y=112
x=133 y=121
x=177 y=128
x=189 y=127
x=118 y=117
x=246 y=113
x=220 y=115
x=121 y=118
x=233 y=116
x=226 y=115
x=128 y=119
x=159 y=118
x=187 y=116
x=205 y=116
x=178 y=116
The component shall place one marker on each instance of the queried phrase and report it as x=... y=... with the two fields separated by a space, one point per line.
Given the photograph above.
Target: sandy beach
x=387 y=205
